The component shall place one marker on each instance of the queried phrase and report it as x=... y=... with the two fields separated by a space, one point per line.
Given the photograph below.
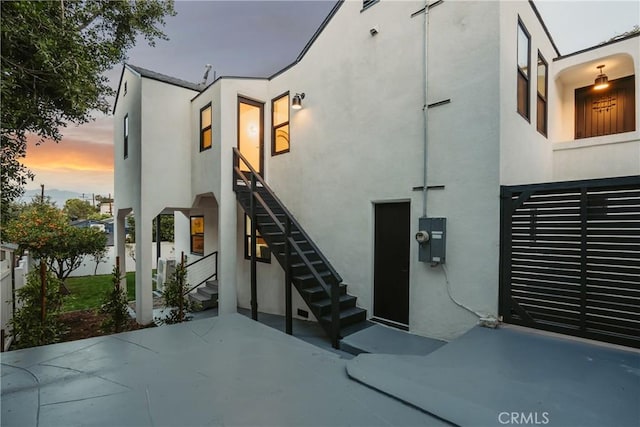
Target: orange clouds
x=82 y=161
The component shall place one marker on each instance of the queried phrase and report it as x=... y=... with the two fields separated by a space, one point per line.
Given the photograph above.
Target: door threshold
x=391 y=323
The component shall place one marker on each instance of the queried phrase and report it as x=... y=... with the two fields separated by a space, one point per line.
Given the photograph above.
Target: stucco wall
x=128 y=171
x=525 y=154
x=359 y=140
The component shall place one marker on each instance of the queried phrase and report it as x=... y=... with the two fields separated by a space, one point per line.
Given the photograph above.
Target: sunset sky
x=273 y=33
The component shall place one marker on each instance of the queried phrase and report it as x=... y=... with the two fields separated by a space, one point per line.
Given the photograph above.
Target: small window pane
x=205 y=118
x=126 y=126
x=523 y=51
x=197 y=244
x=282 y=139
x=281 y=110
x=523 y=98
x=542 y=77
x=197 y=224
x=206 y=138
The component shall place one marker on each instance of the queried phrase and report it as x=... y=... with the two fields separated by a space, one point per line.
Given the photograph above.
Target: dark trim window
x=280 y=122
x=126 y=136
x=263 y=254
x=206 y=136
x=606 y=111
x=541 y=110
x=524 y=66
x=125 y=88
x=197 y=234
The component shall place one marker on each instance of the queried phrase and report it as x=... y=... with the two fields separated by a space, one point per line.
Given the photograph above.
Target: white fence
x=88 y=266
x=6 y=304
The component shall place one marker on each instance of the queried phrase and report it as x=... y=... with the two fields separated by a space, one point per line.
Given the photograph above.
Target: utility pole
x=42 y=194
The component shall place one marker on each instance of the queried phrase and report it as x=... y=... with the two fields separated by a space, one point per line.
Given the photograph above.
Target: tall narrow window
x=524 y=48
x=126 y=136
x=197 y=235
x=205 y=128
x=280 y=120
x=541 y=113
x=263 y=254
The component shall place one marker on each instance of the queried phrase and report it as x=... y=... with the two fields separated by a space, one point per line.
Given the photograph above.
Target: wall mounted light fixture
x=296 y=103
x=602 y=81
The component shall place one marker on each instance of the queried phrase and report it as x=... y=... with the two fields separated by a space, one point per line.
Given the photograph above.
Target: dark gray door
x=391 y=262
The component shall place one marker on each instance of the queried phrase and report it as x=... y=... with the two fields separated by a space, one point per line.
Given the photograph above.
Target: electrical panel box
x=433 y=250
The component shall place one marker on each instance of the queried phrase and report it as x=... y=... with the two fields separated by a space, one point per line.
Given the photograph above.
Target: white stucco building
x=404 y=115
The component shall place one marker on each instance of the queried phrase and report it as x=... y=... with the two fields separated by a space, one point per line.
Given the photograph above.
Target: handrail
x=305 y=260
x=286 y=211
x=215 y=272
x=204 y=257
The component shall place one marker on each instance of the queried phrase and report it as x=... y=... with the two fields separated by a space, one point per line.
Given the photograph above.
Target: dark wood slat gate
x=570 y=258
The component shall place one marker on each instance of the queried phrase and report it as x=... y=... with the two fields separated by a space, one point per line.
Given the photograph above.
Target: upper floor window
x=524 y=49
x=125 y=88
x=197 y=235
x=126 y=136
x=280 y=121
x=205 y=127
x=606 y=111
x=541 y=111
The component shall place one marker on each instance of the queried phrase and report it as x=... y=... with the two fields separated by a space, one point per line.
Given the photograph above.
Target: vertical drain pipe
x=425 y=108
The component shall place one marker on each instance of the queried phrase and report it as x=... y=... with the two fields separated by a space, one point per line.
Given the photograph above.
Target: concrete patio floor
x=225 y=370
x=230 y=370
x=512 y=376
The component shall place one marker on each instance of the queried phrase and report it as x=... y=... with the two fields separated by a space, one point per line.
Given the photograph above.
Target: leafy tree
x=166 y=228
x=27 y=325
x=114 y=305
x=54 y=55
x=73 y=243
x=78 y=209
x=99 y=255
x=37 y=229
x=45 y=232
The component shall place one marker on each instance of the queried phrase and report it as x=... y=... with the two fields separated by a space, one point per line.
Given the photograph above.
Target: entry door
x=250 y=134
x=391 y=262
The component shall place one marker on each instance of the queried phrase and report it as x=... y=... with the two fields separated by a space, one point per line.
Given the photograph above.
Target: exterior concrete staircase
x=206 y=295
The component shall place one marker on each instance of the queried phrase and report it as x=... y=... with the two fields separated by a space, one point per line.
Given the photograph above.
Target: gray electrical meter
x=432 y=239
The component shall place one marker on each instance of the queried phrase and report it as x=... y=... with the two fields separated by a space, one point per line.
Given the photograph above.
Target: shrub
x=28 y=327
x=114 y=305
x=175 y=297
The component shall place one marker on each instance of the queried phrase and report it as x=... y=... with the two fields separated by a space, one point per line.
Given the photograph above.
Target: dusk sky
x=257 y=38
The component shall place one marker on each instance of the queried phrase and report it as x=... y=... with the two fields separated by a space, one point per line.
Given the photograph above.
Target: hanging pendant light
x=602 y=81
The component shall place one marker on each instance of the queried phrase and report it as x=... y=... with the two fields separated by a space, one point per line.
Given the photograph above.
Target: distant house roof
x=9 y=246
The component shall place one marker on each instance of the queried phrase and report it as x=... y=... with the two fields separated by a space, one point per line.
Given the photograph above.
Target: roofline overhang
x=598 y=46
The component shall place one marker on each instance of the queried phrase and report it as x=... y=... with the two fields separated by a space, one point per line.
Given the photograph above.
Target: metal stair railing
x=199 y=271
x=290 y=244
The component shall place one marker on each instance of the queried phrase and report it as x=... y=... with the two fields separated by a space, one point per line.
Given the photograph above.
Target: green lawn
x=87 y=292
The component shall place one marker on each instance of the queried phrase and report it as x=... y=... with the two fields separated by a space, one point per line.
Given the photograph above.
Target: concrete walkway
x=505 y=376
x=225 y=370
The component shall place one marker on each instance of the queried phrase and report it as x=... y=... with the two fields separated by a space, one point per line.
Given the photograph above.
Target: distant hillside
x=58 y=196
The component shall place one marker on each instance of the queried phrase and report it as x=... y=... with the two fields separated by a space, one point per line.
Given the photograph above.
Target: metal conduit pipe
x=425 y=108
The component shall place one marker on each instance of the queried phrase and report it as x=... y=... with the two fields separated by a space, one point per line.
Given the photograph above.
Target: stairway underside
x=304 y=274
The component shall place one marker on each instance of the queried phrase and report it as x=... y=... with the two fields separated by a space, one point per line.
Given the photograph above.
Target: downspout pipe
x=425 y=108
